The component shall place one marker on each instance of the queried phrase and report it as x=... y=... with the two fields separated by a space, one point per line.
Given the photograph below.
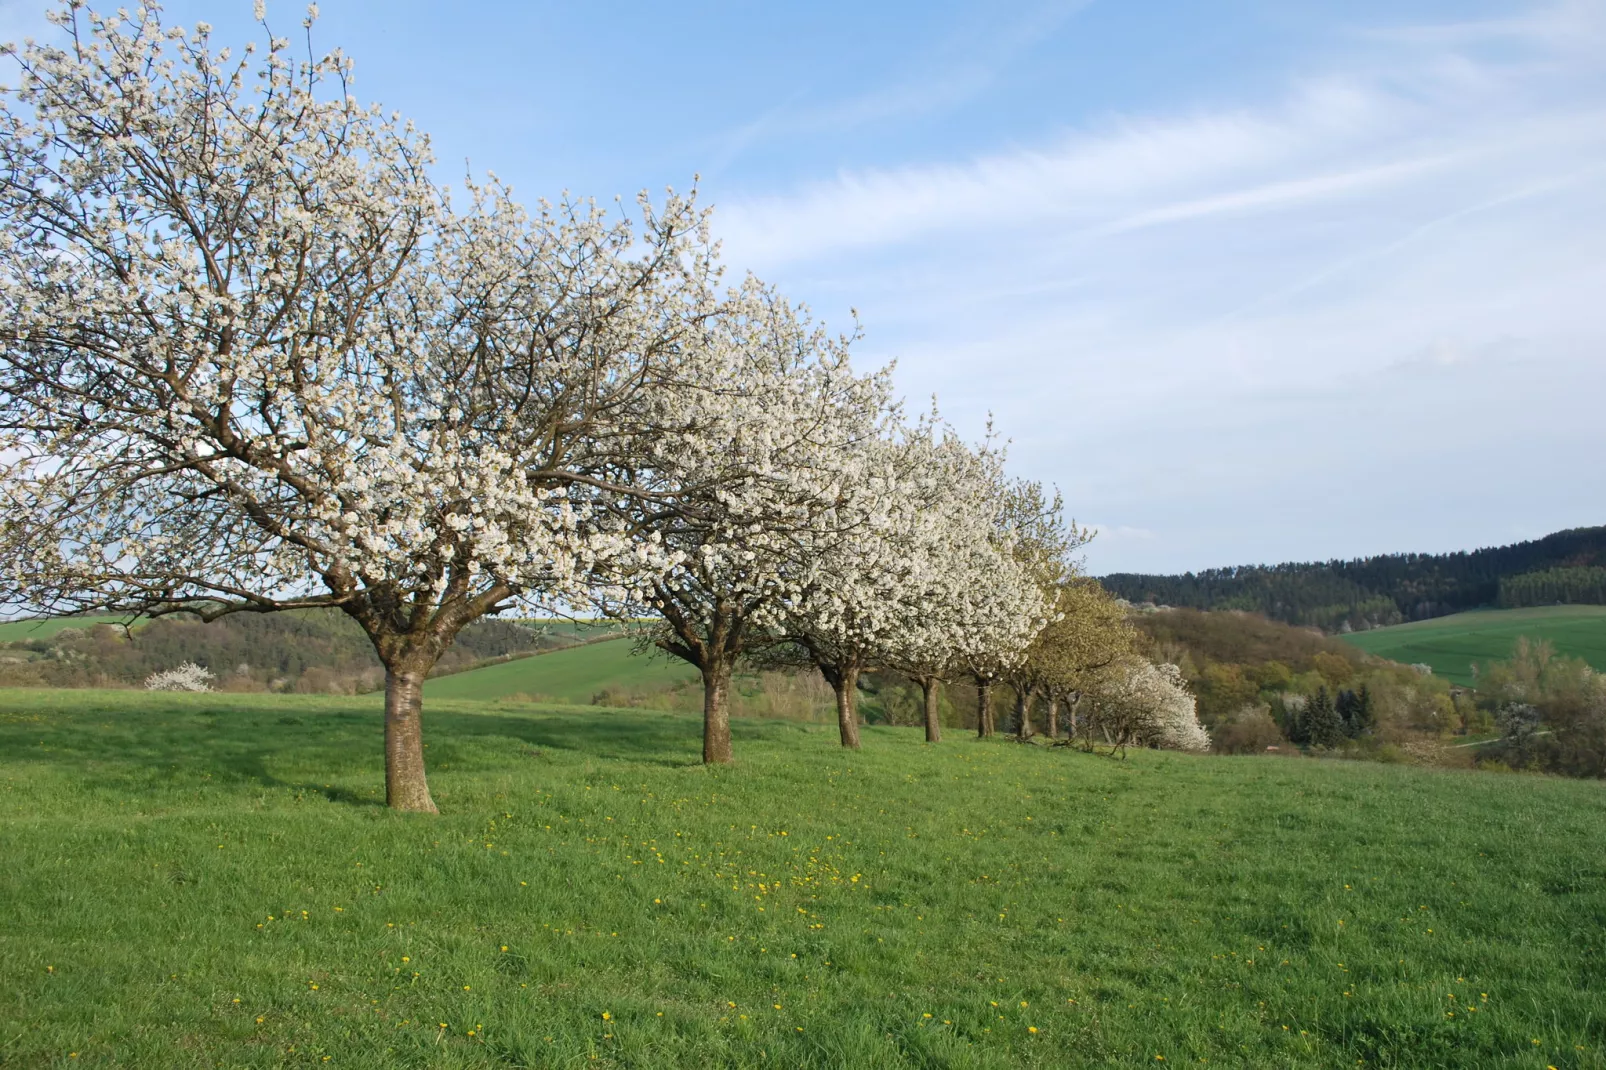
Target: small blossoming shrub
x=186 y=677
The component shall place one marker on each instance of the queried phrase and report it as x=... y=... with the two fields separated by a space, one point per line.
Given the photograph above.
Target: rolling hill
x=1452 y=645
x=574 y=675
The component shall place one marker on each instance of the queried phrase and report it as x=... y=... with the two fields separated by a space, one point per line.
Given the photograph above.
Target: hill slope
x=1451 y=645
x=575 y=674
x=592 y=896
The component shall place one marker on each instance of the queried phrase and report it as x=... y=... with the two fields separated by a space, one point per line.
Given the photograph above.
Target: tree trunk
x=984 y=708
x=846 y=685
x=716 y=714
x=1053 y=715
x=928 y=691
x=1023 y=711
x=405 y=786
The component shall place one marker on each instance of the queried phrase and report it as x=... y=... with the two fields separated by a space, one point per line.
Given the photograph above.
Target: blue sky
x=1250 y=281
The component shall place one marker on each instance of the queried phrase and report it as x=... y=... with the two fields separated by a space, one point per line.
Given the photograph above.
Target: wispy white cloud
x=954 y=72
x=1282 y=195
x=1194 y=318
x=1569 y=26
x=959 y=69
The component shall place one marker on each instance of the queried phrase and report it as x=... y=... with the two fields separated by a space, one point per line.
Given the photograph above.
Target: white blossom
x=186 y=676
x=1143 y=703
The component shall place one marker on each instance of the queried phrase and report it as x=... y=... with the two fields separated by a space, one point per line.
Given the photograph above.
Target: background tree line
x=1554 y=586
x=313 y=651
x=1262 y=683
x=1388 y=589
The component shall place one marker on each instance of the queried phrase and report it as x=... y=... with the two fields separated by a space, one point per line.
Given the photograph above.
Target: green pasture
x=578 y=628
x=574 y=674
x=211 y=880
x=1452 y=645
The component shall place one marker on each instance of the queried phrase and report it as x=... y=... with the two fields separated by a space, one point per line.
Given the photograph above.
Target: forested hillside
x=1371 y=592
x=1263 y=683
x=313 y=651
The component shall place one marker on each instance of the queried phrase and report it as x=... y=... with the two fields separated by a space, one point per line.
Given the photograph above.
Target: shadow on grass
x=673 y=740
x=109 y=737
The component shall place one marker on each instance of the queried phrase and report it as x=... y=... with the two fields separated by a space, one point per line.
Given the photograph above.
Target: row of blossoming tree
x=255 y=358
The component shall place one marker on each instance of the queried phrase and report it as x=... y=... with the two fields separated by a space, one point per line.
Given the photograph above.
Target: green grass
x=211 y=880
x=571 y=675
x=12 y=631
x=1451 y=645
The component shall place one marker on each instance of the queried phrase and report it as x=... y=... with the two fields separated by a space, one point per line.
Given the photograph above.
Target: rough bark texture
x=1053 y=716
x=405 y=785
x=410 y=638
x=928 y=692
x=984 y=708
x=716 y=714
x=844 y=680
x=847 y=713
x=1023 y=712
x=712 y=642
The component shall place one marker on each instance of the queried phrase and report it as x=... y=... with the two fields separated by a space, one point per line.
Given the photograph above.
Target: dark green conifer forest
x=1371 y=592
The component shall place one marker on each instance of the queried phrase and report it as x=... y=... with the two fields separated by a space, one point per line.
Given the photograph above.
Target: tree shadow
x=242 y=741
x=226 y=744
x=671 y=740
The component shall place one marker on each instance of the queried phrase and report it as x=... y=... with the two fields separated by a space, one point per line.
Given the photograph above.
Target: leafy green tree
x=1355 y=711
x=1321 y=722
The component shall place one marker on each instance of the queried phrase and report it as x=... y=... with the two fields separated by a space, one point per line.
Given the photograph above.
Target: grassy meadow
x=572 y=675
x=211 y=880
x=1453 y=644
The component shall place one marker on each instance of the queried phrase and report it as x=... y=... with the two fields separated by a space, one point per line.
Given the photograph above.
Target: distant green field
x=577 y=628
x=572 y=675
x=12 y=631
x=210 y=880
x=1451 y=645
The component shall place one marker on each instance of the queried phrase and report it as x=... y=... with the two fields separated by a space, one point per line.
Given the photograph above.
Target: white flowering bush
x=187 y=676
x=1140 y=703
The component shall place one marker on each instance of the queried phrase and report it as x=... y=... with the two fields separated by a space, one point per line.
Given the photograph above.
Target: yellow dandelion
x=1031 y=1029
